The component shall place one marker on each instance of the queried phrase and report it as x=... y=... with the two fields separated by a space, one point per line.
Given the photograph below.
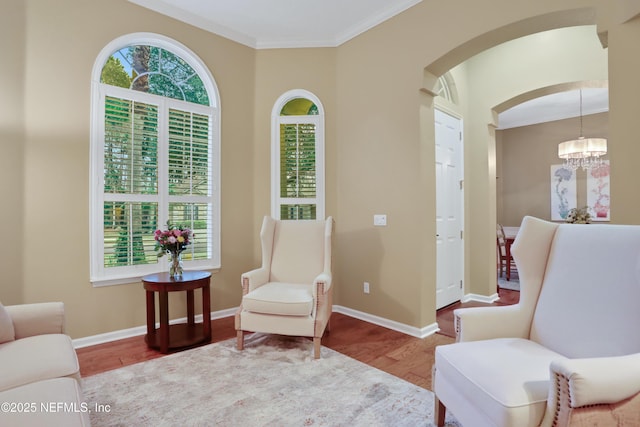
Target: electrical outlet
x=380 y=220
x=366 y=287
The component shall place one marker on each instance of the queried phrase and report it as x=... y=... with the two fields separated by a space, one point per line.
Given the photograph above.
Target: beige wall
x=279 y=71
x=62 y=41
x=379 y=123
x=624 y=89
x=12 y=46
x=526 y=155
x=380 y=152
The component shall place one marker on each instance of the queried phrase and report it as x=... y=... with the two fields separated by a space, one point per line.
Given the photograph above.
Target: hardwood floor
x=401 y=355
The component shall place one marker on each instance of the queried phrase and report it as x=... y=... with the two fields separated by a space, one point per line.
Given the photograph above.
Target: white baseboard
x=376 y=320
x=141 y=330
x=389 y=324
x=481 y=298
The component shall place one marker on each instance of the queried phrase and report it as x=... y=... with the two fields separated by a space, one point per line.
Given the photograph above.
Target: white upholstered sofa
x=569 y=352
x=39 y=371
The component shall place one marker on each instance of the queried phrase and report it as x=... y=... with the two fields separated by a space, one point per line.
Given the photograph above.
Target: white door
x=449 y=209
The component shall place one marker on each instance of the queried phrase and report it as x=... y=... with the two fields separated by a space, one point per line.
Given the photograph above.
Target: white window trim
x=99 y=275
x=276 y=120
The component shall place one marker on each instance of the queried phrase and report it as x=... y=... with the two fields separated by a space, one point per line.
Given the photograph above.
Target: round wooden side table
x=182 y=335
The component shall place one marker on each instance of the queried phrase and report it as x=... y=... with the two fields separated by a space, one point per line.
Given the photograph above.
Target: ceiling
x=263 y=24
x=270 y=24
x=558 y=106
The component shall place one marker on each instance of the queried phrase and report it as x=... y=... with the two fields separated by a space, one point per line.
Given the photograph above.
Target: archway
x=480 y=126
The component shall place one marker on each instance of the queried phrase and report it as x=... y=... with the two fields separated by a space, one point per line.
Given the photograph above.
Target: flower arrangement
x=579 y=216
x=173 y=241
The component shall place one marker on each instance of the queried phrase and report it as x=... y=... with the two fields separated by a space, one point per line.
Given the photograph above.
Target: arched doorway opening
x=478 y=104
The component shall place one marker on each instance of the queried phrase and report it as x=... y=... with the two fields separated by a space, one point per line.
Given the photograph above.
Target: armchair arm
x=324 y=278
x=482 y=323
x=599 y=380
x=596 y=391
x=254 y=279
x=37 y=319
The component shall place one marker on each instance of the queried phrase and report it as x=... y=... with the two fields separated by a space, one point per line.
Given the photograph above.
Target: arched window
x=446 y=88
x=154 y=157
x=297 y=157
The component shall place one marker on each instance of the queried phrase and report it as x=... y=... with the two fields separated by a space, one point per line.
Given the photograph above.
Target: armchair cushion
x=591 y=291
x=298 y=252
x=507 y=377
x=48 y=392
x=7 y=332
x=37 y=358
x=286 y=299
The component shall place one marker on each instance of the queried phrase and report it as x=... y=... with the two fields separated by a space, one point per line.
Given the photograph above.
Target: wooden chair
x=503 y=257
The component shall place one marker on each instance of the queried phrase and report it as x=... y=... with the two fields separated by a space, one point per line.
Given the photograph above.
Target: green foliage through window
x=195 y=216
x=128 y=233
x=156 y=71
x=299 y=107
x=297 y=211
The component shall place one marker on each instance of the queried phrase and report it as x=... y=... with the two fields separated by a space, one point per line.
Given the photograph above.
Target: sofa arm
x=254 y=279
x=37 y=319
x=599 y=380
x=483 y=323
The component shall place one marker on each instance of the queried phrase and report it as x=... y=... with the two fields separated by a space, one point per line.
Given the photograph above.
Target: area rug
x=513 y=283
x=273 y=382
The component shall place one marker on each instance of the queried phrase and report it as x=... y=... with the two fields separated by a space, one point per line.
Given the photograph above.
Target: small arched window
x=297 y=183
x=446 y=88
x=154 y=157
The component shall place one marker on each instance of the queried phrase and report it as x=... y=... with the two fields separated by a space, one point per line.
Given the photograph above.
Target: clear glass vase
x=175 y=265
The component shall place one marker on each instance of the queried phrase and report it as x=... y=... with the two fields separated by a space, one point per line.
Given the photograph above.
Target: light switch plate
x=380 y=220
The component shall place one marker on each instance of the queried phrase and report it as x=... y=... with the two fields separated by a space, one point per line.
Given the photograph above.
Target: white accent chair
x=569 y=352
x=291 y=294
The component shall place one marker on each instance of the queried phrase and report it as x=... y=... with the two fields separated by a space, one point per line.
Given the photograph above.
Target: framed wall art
x=563 y=192
x=599 y=192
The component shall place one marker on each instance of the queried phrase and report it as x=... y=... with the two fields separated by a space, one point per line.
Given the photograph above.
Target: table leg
x=206 y=312
x=164 y=321
x=151 y=315
x=190 y=309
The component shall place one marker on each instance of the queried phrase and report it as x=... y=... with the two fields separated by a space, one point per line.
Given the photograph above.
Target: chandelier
x=582 y=152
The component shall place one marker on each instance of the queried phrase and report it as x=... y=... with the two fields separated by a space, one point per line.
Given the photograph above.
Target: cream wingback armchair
x=291 y=294
x=569 y=352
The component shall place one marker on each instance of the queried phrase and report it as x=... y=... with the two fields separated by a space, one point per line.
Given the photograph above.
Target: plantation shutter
x=298 y=173
x=190 y=178
x=130 y=181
